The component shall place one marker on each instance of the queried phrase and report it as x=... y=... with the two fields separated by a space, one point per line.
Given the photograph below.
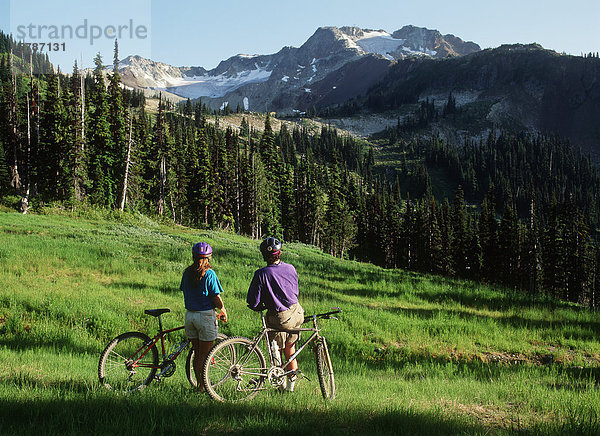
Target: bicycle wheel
x=324 y=370
x=233 y=372
x=189 y=365
x=122 y=367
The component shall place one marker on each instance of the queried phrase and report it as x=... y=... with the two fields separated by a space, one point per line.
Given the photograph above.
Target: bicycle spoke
x=236 y=374
x=131 y=373
x=325 y=370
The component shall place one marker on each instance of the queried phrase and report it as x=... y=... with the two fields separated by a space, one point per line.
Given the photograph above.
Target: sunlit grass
x=412 y=353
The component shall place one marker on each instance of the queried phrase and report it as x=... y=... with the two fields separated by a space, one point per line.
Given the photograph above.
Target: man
x=275 y=288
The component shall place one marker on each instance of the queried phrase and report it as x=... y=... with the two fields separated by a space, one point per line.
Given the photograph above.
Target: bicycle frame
x=241 y=368
x=264 y=333
x=160 y=336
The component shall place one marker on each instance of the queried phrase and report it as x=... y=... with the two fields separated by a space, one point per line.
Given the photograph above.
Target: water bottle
x=275 y=353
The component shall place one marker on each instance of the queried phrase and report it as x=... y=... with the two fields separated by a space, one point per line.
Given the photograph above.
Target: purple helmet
x=202 y=249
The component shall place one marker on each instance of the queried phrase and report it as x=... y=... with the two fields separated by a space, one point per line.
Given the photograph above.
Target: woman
x=202 y=295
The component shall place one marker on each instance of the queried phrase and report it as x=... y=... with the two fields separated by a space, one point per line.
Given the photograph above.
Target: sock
x=290 y=382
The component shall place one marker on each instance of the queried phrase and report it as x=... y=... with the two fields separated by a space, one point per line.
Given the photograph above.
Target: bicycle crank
x=276 y=376
x=168 y=371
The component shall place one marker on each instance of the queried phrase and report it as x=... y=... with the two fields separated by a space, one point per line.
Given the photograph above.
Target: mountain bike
x=130 y=362
x=238 y=370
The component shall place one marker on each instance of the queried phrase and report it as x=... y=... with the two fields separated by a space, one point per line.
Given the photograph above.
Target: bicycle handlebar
x=326 y=315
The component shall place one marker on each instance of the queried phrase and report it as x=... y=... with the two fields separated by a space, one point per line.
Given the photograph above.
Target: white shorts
x=201 y=325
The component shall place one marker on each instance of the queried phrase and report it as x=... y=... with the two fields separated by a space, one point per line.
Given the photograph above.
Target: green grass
x=413 y=354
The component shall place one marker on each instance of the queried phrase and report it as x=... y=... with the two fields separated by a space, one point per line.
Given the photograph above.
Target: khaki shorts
x=288 y=320
x=201 y=325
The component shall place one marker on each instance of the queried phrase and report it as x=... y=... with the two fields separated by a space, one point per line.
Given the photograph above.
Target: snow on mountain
x=215 y=86
x=380 y=42
x=149 y=74
x=408 y=41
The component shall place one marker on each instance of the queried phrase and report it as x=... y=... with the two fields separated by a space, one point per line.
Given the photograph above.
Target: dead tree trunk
x=127 y=161
x=15 y=181
x=162 y=185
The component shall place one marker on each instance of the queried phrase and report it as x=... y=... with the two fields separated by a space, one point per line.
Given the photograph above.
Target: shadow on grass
x=431 y=288
x=165 y=288
x=24 y=342
x=239 y=256
x=586 y=330
x=471 y=299
x=130 y=285
x=471 y=366
x=24 y=381
x=577 y=378
x=190 y=416
x=470 y=294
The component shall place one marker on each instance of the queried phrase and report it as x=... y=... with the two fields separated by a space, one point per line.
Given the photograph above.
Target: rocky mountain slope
x=519 y=87
x=280 y=81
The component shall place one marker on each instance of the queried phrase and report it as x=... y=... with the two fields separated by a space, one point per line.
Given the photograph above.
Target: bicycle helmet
x=270 y=246
x=202 y=249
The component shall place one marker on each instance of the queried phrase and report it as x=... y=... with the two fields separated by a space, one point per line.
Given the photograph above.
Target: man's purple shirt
x=274 y=287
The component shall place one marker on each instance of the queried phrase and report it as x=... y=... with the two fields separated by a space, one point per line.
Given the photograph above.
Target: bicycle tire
x=325 y=370
x=189 y=368
x=236 y=375
x=115 y=370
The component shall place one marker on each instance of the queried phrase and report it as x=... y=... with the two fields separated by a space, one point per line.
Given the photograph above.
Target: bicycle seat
x=156 y=312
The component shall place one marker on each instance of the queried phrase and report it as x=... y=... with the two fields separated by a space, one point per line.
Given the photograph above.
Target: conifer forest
x=524 y=212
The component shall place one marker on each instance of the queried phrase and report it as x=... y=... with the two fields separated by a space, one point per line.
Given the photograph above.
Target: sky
x=203 y=33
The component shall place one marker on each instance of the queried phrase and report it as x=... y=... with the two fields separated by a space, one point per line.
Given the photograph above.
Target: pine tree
x=310 y=201
x=447 y=258
x=244 y=129
x=160 y=153
x=118 y=130
x=75 y=158
x=128 y=165
x=223 y=173
x=460 y=237
x=137 y=192
x=340 y=228
x=407 y=236
x=12 y=139
x=288 y=205
x=532 y=254
x=509 y=246
x=579 y=255
x=53 y=143
x=554 y=253
x=488 y=237
x=103 y=190
x=270 y=157
x=435 y=263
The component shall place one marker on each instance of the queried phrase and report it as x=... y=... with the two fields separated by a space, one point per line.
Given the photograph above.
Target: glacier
x=212 y=86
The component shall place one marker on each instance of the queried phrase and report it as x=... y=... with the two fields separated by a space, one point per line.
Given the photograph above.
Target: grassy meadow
x=412 y=354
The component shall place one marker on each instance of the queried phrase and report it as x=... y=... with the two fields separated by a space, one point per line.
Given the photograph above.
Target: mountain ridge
x=267 y=82
x=523 y=86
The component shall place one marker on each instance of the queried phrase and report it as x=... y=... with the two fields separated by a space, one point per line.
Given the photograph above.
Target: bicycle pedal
x=253 y=382
x=301 y=374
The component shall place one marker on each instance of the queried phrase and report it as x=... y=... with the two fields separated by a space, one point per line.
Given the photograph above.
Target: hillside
x=256 y=121
x=517 y=87
x=412 y=353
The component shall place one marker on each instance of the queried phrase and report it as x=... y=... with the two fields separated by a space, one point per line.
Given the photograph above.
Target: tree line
x=81 y=139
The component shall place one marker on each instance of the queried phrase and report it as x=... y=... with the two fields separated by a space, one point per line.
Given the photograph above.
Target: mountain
x=280 y=81
x=519 y=87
